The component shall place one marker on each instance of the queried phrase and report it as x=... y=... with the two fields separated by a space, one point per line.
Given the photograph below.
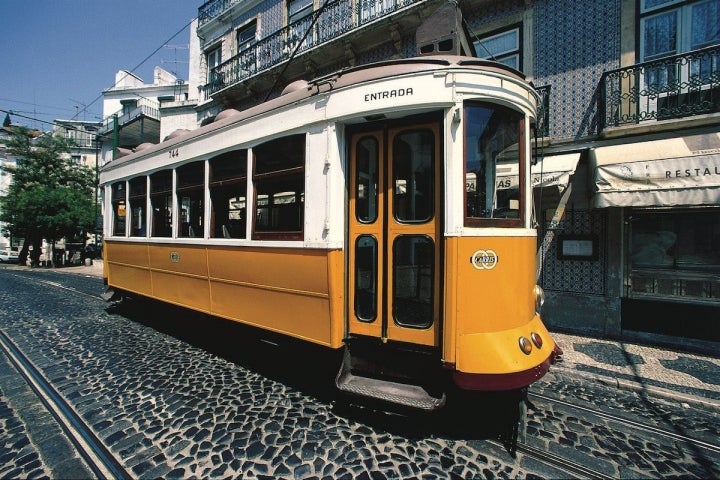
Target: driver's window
x=492 y=163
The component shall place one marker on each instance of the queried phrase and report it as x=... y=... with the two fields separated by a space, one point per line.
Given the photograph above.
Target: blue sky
x=57 y=56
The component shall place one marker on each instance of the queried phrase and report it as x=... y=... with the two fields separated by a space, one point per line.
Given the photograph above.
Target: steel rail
x=626 y=421
x=58 y=285
x=568 y=467
x=97 y=457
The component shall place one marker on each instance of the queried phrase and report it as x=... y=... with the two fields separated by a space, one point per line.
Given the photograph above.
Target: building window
x=279 y=180
x=299 y=9
x=675 y=255
x=213 y=58
x=683 y=240
x=228 y=195
x=246 y=36
x=190 y=196
x=669 y=27
x=299 y=21
x=503 y=47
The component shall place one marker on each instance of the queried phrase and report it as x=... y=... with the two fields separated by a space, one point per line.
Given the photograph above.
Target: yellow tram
x=385 y=210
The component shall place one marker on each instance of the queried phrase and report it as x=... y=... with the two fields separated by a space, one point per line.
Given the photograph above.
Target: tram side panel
x=287 y=291
x=283 y=290
x=126 y=266
x=179 y=275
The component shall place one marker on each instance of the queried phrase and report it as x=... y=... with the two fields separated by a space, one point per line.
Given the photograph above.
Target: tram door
x=394 y=231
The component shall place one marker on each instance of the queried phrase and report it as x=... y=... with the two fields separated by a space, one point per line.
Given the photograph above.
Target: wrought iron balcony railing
x=212 y=9
x=145 y=107
x=336 y=18
x=672 y=87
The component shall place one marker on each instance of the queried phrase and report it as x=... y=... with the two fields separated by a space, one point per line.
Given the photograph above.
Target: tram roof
x=299 y=90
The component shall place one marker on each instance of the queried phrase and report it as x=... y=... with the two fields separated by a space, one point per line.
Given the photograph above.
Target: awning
x=554 y=170
x=680 y=171
x=551 y=170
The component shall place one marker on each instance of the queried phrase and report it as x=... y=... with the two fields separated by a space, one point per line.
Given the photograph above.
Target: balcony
x=668 y=88
x=138 y=122
x=337 y=18
x=212 y=9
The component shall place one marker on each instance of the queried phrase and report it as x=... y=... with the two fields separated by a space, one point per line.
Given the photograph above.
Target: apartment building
x=627 y=174
x=132 y=110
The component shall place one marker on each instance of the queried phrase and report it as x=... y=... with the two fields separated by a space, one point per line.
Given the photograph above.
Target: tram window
x=413 y=284
x=228 y=194
x=191 y=195
x=279 y=181
x=118 y=204
x=366 y=278
x=413 y=176
x=138 y=206
x=366 y=181
x=161 y=201
x=493 y=165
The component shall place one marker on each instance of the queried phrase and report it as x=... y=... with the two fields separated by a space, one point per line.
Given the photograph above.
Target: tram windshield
x=492 y=164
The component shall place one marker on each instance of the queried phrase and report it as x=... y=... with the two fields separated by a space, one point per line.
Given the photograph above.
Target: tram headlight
x=539 y=298
x=525 y=345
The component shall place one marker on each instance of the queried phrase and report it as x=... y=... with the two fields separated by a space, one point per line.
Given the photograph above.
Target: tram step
x=414 y=396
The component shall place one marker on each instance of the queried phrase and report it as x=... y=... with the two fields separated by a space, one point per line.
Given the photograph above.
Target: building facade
x=132 y=110
x=627 y=175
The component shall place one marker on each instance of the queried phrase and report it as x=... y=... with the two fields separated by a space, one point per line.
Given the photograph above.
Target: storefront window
x=677 y=240
x=675 y=255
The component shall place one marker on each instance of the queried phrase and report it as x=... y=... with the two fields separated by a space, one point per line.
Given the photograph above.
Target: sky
x=57 y=56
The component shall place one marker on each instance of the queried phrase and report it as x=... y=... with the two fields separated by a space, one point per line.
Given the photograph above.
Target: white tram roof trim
x=301 y=90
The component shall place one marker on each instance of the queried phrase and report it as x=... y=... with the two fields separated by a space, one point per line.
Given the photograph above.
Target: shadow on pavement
x=312 y=368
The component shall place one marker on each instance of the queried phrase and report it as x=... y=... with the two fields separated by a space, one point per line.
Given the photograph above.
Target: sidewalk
x=654 y=370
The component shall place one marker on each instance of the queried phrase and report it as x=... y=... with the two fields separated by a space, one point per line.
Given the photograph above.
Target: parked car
x=8 y=256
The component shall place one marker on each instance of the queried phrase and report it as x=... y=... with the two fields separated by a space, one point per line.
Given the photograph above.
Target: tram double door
x=394 y=232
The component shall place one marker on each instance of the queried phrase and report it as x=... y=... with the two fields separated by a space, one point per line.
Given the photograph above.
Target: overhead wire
x=136 y=67
x=85 y=108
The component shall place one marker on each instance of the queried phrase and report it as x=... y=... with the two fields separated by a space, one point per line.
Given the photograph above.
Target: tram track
x=58 y=285
x=687 y=440
x=90 y=448
x=569 y=468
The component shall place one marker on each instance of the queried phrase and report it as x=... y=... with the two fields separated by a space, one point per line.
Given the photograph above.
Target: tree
x=6 y=122
x=49 y=196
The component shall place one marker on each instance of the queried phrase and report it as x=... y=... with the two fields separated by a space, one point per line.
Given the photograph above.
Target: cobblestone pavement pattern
x=18 y=458
x=167 y=408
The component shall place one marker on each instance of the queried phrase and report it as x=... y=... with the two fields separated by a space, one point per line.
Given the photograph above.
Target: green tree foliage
x=49 y=196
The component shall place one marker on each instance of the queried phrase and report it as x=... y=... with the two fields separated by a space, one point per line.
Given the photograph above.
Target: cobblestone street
x=173 y=394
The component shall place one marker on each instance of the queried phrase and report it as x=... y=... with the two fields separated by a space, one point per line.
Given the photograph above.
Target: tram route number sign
x=484 y=259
